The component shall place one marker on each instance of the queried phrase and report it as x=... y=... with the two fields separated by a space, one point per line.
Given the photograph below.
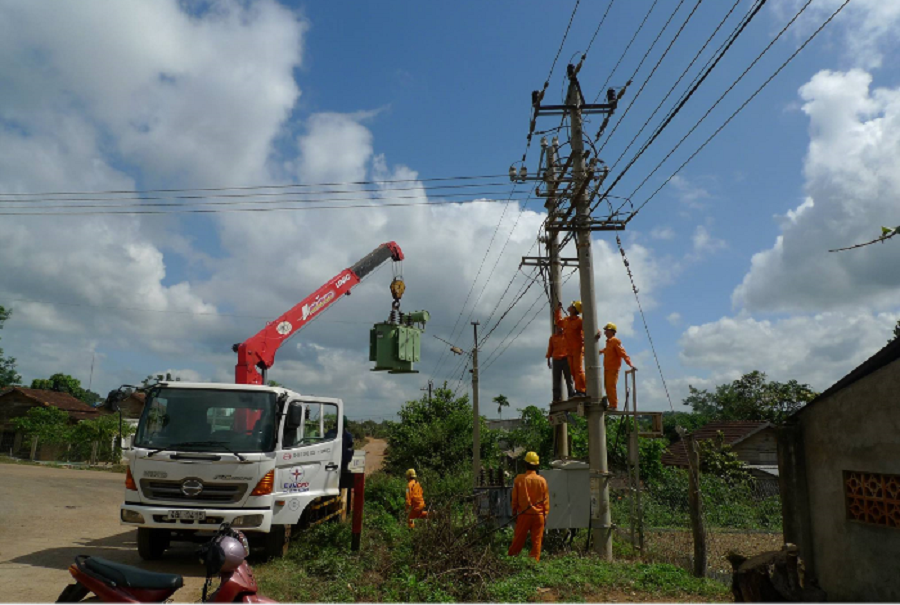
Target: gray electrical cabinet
x=570 y=496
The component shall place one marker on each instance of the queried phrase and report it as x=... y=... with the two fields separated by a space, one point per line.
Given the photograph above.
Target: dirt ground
x=49 y=515
x=374 y=454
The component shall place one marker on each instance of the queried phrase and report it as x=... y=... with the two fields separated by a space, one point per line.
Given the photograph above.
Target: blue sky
x=731 y=257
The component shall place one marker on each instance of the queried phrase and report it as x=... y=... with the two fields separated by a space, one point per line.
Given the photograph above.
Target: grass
x=110 y=468
x=427 y=565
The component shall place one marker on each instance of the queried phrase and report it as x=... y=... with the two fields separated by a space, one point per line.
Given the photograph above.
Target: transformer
x=395 y=345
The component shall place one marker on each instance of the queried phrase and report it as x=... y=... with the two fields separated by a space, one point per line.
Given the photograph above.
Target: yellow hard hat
x=411 y=473
x=532 y=458
x=577 y=305
x=610 y=326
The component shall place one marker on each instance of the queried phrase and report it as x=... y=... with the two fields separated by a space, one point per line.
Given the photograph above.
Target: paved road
x=48 y=515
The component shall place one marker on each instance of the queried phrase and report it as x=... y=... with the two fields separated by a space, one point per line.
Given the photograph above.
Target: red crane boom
x=257 y=354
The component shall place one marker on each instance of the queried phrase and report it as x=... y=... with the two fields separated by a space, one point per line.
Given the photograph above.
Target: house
x=16 y=401
x=839 y=463
x=506 y=425
x=132 y=407
x=753 y=441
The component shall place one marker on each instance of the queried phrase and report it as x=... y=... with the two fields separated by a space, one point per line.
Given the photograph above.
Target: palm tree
x=502 y=402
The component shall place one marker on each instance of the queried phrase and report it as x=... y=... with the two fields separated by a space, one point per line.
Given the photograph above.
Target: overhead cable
x=741 y=108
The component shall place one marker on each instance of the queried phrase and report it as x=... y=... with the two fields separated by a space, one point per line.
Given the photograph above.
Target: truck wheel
x=152 y=543
x=277 y=541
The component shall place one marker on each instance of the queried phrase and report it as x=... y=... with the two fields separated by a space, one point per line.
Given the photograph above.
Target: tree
x=8 y=374
x=751 y=397
x=436 y=435
x=63 y=383
x=50 y=425
x=895 y=337
x=502 y=402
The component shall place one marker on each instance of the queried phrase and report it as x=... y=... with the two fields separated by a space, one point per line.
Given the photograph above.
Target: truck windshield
x=201 y=419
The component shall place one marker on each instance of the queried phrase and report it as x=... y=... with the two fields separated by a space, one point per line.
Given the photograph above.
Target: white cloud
x=662 y=233
x=171 y=99
x=817 y=349
x=674 y=319
x=688 y=192
x=852 y=176
x=868 y=27
x=704 y=242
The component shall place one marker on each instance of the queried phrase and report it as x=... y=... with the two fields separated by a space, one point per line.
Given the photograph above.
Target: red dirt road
x=374 y=449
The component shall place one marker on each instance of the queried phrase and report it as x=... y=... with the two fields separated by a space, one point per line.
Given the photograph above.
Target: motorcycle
x=224 y=555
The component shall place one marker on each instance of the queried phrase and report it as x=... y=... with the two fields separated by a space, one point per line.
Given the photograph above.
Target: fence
x=740 y=514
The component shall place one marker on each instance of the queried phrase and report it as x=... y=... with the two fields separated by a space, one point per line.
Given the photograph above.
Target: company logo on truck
x=191 y=488
x=317 y=305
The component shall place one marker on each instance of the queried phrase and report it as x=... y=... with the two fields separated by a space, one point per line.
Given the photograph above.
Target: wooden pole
x=34 y=447
x=696 y=507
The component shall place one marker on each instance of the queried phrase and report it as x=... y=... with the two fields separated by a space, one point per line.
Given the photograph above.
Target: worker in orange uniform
x=558 y=352
x=613 y=355
x=573 y=332
x=415 y=500
x=531 y=505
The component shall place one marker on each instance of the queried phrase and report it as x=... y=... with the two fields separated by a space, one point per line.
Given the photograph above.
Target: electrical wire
x=251 y=187
x=754 y=11
x=227 y=210
x=677 y=82
x=634 y=98
x=252 y=196
x=474 y=282
x=596 y=31
x=743 y=105
x=625 y=52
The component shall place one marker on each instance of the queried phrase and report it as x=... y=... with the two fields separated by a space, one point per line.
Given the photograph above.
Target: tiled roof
x=734 y=431
x=76 y=408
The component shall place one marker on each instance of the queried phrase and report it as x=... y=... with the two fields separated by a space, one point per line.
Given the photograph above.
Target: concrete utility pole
x=552 y=204
x=476 y=421
x=601 y=521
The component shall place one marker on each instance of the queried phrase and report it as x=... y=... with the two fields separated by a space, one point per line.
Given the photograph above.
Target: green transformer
x=396 y=344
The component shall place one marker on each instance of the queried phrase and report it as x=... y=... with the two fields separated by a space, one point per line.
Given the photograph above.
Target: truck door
x=310 y=461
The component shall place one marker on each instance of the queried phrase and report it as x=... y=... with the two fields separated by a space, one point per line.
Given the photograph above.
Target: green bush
x=436 y=435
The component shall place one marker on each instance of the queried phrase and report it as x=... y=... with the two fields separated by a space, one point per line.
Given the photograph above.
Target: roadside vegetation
x=452 y=557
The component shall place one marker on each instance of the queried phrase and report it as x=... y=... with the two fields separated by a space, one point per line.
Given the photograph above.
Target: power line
x=225 y=210
x=677 y=82
x=494 y=354
x=58 y=303
x=251 y=187
x=655 y=67
x=475 y=281
x=596 y=31
x=470 y=194
x=245 y=196
x=625 y=52
x=643 y=319
x=710 y=67
x=739 y=109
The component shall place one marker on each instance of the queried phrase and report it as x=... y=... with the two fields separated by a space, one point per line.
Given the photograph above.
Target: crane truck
x=263 y=458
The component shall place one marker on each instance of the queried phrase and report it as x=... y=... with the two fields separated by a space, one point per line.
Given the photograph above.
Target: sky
x=730 y=257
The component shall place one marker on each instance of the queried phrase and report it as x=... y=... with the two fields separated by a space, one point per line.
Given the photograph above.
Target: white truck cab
x=260 y=458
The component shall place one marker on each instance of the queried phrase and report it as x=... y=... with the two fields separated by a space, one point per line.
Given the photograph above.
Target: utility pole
x=601 y=521
x=476 y=421
x=552 y=204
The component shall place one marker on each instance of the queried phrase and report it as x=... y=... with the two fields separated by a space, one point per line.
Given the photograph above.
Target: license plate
x=195 y=515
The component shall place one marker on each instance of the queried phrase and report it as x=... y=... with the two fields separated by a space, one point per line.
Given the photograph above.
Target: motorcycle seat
x=132 y=577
